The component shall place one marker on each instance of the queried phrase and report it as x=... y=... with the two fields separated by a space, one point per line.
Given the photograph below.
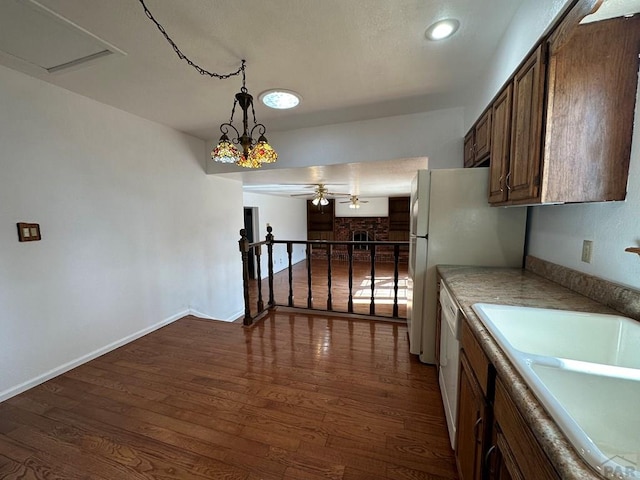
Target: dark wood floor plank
x=428 y=462
x=297 y=396
x=32 y=462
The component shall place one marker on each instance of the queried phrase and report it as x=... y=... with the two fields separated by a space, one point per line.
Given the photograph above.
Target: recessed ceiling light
x=442 y=29
x=280 y=99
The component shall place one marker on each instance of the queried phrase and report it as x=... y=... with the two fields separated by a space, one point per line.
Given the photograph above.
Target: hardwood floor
x=294 y=397
x=383 y=287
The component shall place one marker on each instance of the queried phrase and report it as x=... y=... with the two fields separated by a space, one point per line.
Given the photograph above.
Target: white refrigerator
x=453 y=224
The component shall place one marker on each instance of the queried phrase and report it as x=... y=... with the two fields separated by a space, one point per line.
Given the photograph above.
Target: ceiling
x=371 y=179
x=349 y=59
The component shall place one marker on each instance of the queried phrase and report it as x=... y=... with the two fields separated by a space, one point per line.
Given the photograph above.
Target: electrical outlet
x=587 y=250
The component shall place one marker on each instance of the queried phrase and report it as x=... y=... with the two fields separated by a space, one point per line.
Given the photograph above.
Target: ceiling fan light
x=354 y=205
x=316 y=201
x=225 y=152
x=324 y=201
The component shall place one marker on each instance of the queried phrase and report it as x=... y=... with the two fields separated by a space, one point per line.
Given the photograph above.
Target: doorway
x=251 y=227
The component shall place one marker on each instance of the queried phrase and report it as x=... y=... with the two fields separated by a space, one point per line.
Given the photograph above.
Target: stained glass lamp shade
x=225 y=152
x=262 y=152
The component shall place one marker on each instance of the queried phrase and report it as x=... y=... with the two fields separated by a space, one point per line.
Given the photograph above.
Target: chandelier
x=254 y=152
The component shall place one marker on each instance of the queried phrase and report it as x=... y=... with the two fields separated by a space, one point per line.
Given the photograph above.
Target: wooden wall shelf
x=633 y=250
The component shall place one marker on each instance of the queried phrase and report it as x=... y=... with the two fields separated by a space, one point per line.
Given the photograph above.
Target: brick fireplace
x=348 y=229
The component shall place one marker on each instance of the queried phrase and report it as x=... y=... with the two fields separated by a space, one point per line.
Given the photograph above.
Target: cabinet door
x=500 y=462
x=482 y=137
x=523 y=180
x=589 y=124
x=472 y=415
x=517 y=446
x=468 y=150
x=500 y=143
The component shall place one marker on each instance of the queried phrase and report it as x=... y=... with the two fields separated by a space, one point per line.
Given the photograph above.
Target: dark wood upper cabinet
x=523 y=178
x=477 y=143
x=562 y=126
x=593 y=79
x=483 y=137
x=469 y=158
x=501 y=145
x=517 y=126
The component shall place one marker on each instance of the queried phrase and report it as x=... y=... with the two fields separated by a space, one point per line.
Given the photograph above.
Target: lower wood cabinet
x=500 y=462
x=518 y=451
x=493 y=440
x=473 y=415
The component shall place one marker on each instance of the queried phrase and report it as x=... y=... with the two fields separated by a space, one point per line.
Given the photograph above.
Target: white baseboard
x=13 y=391
x=232 y=318
x=236 y=316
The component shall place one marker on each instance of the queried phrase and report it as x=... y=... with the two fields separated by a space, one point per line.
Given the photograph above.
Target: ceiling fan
x=320 y=194
x=354 y=201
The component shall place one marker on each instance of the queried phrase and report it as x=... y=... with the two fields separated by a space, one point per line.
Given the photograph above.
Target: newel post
x=243 y=244
x=269 y=239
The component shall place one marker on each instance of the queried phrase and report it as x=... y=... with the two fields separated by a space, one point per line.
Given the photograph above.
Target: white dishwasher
x=449 y=359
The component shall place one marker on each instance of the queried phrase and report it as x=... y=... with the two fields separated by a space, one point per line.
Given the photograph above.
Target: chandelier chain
x=233 y=110
x=182 y=56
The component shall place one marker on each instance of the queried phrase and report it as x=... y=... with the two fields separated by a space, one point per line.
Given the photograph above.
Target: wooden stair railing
x=246 y=247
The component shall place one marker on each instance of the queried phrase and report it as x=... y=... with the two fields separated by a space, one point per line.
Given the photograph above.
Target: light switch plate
x=28 y=232
x=587 y=250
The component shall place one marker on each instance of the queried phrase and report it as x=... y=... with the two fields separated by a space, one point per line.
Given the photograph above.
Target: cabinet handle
x=500 y=183
x=476 y=429
x=487 y=457
x=507 y=179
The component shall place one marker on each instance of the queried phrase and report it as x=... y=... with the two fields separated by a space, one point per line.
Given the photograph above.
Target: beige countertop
x=511 y=286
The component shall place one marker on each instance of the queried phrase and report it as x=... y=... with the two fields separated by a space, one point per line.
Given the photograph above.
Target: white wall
x=288 y=218
x=556 y=232
x=436 y=134
x=134 y=233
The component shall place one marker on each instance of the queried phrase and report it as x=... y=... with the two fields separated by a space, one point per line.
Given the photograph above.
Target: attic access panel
x=39 y=37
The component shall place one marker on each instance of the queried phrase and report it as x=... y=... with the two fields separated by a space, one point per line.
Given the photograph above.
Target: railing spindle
x=350 y=259
x=309 y=297
x=396 y=260
x=329 y=301
x=372 y=307
x=258 y=252
x=269 y=239
x=289 y=254
x=243 y=243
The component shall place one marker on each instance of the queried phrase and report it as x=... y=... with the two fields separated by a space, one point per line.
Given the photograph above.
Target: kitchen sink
x=590 y=337
x=585 y=369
